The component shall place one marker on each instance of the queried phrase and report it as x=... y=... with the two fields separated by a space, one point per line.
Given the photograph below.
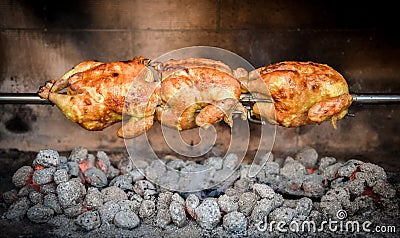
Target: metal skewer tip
x=22 y=98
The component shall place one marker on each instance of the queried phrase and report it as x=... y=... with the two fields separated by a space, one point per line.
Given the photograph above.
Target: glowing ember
x=84 y=166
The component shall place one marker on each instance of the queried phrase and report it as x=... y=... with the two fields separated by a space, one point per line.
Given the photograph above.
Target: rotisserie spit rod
x=33 y=98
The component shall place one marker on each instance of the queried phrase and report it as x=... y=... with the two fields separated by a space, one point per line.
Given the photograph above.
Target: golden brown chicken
x=303 y=93
x=198 y=92
x=98 y=94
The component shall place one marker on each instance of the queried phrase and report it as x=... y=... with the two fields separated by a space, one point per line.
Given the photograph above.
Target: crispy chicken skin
x=98 y=94
x=303 y=93
x=197 y=84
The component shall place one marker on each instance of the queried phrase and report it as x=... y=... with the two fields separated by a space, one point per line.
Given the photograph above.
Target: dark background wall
x=41 y=40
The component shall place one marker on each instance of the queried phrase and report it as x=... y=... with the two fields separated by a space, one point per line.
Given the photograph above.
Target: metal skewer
x=33 y=98
x=375 y=98
x=22 y=98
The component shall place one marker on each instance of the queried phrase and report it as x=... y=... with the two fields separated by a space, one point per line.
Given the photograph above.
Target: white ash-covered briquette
x=22 y=176
x=125 y=165
x=208 y=214
x=276 y=181
x=71 y=193
x=202 y=179
x=78 y=154
x=63 y=160
x=330 y=172
x=96 y=177
x=61 y=176
x=304 y=206
x=307 y=156
x=334 y=200
x=90 y=161
x=231 y=161
x=113 y=193
x=48 y=188
x=147 y=209
x=349 y=167
x=73 y=168
x=246 y=202
x=271 y=167
x=293 y=169
x=108 y=210
x=43 y=176
x=36 y=197
x=112 y=172
x=18 y=209
x=155 y=171
x=245 y=172
x=163 y=218
x=126 y=219
x=178 y=198
x=214 y=162
x=371 y=173
x=51 y=200
x=235 y=222
x=150 y=194
x=164 y=200
x=47 y=158
x=263 y=207
x=242 y=185
x=39 y=213
x=89 y=220
x=24 y=191
x=177 y=214
x=136 y=174
x=94 y=198
x=282 y=215
x=312 y=186
x=141 y=186
x=129 y=205
x=232 y=192
x=228 y=203
x=103 y=161
x=326 y=161
x=356 y=186
x=75 y=210
x=192 y=201
x=175 y=164
x=263 y=191
x=123 y=182
x=135 y=198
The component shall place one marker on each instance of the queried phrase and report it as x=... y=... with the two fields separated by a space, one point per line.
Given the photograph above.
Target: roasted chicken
x=98 y=94
x=197 y=92
x=303 y=93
